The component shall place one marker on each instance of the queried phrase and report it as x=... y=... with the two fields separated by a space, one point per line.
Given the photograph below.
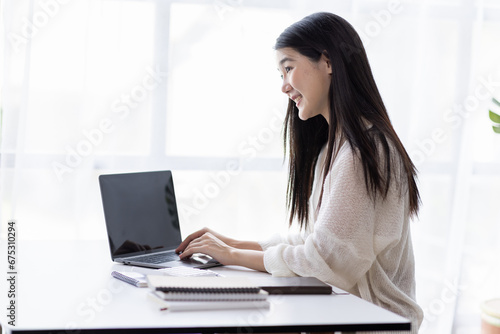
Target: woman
x=352 y=186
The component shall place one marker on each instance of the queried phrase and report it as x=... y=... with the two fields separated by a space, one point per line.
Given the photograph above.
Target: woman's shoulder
x=348 y=156
x=344 y=161
x=345 y=153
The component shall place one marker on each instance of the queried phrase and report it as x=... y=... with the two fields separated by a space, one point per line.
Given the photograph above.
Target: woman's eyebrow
x=285 y=60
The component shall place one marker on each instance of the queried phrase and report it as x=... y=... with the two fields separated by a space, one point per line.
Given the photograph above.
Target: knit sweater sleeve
x=348 y=233
x=276 y=239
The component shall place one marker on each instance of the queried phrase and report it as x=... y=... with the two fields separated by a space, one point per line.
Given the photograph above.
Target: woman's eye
x=287 y=69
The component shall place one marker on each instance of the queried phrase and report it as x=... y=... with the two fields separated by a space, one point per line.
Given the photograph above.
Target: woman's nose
x=285 y=87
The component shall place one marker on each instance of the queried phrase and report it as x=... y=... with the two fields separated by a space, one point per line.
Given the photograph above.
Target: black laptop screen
x=140 y=212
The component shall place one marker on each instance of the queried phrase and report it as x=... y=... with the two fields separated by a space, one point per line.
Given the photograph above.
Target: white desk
x=63 y=287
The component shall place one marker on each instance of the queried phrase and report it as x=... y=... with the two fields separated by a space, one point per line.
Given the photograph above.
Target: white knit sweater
x=356 y=244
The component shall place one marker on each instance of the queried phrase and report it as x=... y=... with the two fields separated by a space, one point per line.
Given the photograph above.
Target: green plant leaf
x=494 y=117
x=496 y=129
x=495 y=101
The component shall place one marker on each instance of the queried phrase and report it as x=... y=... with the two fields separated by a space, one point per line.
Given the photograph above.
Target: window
x=106 y=86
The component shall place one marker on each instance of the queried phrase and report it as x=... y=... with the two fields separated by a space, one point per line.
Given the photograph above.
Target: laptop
x=142 y=221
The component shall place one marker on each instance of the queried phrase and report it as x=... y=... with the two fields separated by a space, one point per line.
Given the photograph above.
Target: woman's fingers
x=191 y=237
x=207 y=244
x=193 y=245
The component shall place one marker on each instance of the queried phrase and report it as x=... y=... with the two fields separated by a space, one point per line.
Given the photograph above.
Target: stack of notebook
x=205 y=293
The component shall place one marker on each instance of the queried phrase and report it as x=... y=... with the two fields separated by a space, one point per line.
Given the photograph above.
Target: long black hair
x=354 y=99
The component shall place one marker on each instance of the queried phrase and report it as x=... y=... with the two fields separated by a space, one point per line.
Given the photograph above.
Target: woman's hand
x=197 y=234
x=225 y=250
x=207 y=243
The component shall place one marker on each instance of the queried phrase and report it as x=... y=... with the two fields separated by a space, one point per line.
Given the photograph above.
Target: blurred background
x=101 y=86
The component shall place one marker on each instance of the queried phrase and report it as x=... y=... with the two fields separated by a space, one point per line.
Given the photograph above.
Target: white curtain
x=102 y=86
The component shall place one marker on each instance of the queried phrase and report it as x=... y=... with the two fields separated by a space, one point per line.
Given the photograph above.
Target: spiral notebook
x=175 y=306
x=131 y=277
x=205 y=288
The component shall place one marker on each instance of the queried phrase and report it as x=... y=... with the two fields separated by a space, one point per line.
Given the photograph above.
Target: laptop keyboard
x=157 y=258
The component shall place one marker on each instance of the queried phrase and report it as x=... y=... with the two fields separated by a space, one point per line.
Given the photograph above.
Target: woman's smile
x=296 y=99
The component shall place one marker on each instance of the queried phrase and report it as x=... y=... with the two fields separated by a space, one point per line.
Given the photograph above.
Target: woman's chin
x=304 y=116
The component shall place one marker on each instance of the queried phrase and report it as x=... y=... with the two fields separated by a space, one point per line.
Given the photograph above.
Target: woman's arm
x=253 y=245
x=226 y=250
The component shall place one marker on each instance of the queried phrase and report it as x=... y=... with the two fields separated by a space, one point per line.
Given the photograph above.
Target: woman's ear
x=326 y=59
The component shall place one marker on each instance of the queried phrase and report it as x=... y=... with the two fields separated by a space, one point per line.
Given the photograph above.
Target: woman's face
x=305 y=82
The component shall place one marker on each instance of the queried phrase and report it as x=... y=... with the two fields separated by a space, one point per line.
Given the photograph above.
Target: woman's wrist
x=241 y=244
x=253 y=259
